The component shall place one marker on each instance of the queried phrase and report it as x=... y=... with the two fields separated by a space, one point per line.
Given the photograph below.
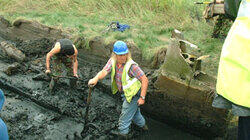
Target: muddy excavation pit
x=32 y=111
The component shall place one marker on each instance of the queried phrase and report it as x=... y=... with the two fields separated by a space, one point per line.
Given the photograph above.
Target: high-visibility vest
x=130 y=85
x=233 y=81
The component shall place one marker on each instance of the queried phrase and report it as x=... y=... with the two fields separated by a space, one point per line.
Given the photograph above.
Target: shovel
x=71 y=78
x=64 y=77
x=86 y=127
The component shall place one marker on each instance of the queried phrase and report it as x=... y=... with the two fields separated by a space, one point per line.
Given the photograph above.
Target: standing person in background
x=233 y=81
x=128 y=79
x=66 y=58
x=3 y=128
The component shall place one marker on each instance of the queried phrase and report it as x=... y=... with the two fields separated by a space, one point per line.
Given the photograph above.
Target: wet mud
x=32 y=111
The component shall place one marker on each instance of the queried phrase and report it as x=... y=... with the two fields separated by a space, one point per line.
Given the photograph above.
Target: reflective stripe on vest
x=233 y=81
x=130 y=85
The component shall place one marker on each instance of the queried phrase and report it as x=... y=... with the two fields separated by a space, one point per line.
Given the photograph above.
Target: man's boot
x=119 y=135
x=145 y=128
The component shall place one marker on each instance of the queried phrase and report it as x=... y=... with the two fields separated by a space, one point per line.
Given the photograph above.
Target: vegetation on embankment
x=151 y=21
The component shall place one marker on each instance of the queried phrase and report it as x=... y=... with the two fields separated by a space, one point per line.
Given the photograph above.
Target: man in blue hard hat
x=129 y=80
x=3 y=128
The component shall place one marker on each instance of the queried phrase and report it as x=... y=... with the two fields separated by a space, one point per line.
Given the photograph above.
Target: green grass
x=151 y=21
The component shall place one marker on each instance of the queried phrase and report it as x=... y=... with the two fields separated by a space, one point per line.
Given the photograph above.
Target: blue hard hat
x=120 y=48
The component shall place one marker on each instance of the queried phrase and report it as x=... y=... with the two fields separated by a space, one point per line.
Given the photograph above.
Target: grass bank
x=151 y=21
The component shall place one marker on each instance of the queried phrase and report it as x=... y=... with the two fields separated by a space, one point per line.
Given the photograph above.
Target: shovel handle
x=89 y=95
x=66 y=77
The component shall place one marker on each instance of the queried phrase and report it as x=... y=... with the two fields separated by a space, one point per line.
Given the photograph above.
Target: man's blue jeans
x=130 y=112
x=3 y=131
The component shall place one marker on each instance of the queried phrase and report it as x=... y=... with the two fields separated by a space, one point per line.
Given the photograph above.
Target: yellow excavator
x=221 y=7
x=225 y=12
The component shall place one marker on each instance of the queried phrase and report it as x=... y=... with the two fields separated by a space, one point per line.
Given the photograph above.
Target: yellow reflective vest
x=233 y=81
x=130 y=85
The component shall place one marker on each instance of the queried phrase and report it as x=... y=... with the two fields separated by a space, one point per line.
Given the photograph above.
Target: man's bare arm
x=52 y=52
